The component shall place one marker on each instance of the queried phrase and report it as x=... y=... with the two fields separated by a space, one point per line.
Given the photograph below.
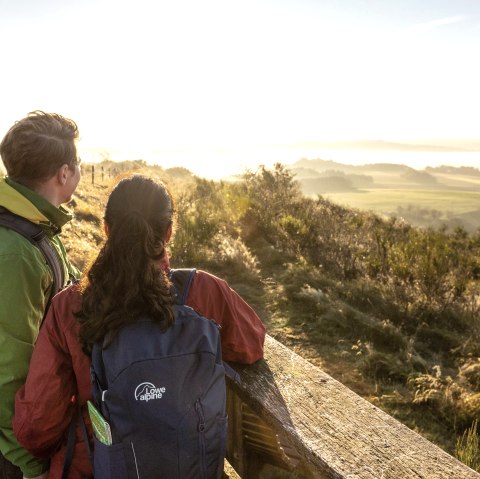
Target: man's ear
x=62 y=174
x=105 y=228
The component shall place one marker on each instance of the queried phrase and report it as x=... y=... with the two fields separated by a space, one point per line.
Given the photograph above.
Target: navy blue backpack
x=163 y=394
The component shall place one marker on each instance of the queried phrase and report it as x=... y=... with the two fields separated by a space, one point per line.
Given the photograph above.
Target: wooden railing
x=287 y=414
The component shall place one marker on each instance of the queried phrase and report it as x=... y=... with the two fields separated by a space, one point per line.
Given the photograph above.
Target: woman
x=128 y=278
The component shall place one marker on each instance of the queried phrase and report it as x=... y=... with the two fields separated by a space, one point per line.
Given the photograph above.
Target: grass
x=466 y=448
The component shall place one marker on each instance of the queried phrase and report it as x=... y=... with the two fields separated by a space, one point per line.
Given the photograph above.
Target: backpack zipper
x=135 y=458
x=201 y=436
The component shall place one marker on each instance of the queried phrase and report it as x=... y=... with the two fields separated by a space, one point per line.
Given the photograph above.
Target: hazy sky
x=149 y=74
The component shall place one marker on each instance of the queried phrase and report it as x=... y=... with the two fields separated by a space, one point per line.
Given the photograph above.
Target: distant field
x=387 y=200
x=458 y=181
x=425 y=207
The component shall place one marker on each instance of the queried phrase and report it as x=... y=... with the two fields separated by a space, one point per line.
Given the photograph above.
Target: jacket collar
x=24 y=202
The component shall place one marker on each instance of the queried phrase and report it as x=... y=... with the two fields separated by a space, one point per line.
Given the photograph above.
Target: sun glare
x=223 y=76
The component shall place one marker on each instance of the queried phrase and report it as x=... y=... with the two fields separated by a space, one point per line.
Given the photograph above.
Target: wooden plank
x=338 y=434
x=229 y=472
x=235 y=445
x=261 y=437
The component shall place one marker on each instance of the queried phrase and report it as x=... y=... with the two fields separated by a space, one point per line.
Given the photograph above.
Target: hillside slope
x=389 y=310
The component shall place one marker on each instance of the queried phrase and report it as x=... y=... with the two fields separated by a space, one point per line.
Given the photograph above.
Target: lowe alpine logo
x=147 y=391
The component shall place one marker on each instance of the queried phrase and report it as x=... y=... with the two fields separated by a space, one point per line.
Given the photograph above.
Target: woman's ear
x=168 y=233
x=105 y=228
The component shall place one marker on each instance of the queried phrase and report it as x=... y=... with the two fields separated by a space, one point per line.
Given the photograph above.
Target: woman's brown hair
x=125 y=281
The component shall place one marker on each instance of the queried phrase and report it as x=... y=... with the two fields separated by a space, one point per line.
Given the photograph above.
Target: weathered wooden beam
x=235 y=444
x=337 y=434
x=229 y=472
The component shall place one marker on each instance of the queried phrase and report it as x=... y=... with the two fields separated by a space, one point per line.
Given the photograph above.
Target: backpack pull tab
x=201 y=416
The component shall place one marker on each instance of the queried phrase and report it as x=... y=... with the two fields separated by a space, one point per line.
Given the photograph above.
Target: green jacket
x=25 y=284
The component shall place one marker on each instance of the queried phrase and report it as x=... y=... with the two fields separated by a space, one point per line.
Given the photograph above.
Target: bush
x=235 y=254
x=382 y=366
x=470 y=373
x=451 y=403
x=428 y=338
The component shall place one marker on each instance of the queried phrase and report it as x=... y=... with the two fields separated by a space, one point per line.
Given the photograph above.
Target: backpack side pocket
x=109 y=461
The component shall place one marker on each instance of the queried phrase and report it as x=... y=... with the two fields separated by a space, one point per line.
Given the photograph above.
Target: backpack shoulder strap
x=97 y=374
x=37 y=237
x=71 y=439
x=181 y=280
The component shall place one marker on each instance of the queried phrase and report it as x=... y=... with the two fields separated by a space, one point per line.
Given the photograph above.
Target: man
x=40 y=155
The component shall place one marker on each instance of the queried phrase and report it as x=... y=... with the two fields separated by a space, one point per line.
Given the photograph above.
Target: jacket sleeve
x=45 y=405
x=72 y=272
x=24 y=285
x=242 y=332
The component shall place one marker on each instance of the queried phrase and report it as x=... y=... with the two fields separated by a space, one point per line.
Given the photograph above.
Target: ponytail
x=126 y=281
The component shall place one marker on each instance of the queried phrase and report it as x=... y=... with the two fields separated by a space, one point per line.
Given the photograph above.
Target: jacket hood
x=15 y=202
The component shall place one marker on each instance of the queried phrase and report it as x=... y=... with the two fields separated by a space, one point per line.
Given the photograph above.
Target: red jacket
x=59 y=372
